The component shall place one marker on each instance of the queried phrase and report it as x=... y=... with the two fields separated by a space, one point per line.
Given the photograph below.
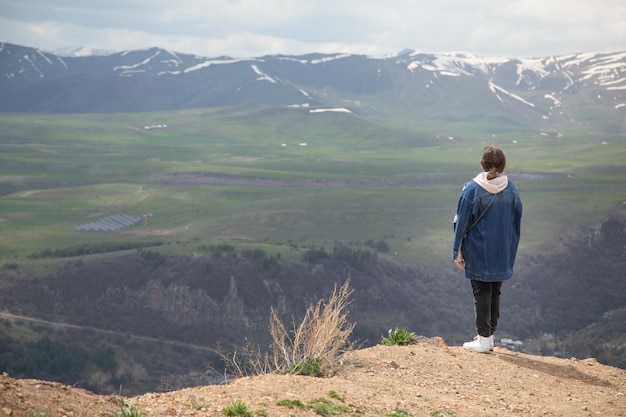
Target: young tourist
x=486 y=237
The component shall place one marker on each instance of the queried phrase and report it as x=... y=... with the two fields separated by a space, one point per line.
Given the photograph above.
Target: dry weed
x=319 y=341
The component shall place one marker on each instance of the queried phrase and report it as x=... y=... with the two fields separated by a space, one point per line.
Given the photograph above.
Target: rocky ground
x=417 y=380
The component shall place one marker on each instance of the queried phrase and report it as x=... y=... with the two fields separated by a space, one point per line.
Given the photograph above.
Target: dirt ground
x=424 y=379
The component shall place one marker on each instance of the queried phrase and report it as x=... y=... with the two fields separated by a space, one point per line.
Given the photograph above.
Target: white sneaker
x=491 y=343
x=480 y=344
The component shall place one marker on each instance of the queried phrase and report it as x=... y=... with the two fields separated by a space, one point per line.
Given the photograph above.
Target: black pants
x=486 y=306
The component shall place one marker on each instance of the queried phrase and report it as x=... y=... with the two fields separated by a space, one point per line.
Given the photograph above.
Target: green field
x=246 y=177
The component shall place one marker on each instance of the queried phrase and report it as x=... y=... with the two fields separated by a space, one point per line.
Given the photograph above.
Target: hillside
x=146 y=320
x=544 y=93
x=425 y=379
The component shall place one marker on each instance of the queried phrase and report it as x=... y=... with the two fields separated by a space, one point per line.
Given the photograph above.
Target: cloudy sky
x=246 y=28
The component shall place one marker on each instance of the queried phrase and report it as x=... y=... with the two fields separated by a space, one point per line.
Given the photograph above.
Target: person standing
x=486 y=236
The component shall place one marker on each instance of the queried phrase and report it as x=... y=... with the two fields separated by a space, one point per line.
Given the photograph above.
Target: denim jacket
x=490 y=246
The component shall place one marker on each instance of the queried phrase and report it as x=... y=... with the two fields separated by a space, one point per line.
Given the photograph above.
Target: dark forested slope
x=223 y=300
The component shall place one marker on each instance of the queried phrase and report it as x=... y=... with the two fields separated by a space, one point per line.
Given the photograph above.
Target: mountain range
x=548 y=91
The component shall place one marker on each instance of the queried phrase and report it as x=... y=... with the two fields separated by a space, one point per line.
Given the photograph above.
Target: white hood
x=493 y=186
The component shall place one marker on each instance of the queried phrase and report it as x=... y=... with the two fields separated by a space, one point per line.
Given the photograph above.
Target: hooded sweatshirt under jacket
x=488 y=243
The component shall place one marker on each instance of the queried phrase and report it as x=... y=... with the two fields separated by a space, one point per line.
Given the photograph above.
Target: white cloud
x=254 y=28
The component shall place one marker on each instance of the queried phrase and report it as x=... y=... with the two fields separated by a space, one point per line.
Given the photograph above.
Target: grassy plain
x=284 y=178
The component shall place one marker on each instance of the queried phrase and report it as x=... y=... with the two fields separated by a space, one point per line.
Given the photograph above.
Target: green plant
x=237 y=409
x=325 y=407
x=36 y=413
x=292 y=404
x=305 y=368
x=356 y=363
x=398 y=336
x=199 y=404
x=398 y=412
x=127 y=410
x=333 y=394
x=442 y=413
x=320 y=406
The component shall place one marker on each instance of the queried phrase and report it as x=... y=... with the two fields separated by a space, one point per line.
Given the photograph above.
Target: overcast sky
x=251 y=28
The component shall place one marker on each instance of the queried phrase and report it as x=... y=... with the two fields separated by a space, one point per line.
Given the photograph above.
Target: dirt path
x=14 y=317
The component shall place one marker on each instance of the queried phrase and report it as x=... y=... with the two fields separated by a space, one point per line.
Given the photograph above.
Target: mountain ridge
x=536 y=91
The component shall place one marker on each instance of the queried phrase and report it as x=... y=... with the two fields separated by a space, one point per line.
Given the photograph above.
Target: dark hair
x=493 y=161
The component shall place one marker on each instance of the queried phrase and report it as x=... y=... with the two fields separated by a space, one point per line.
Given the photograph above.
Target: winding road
x=5 y=315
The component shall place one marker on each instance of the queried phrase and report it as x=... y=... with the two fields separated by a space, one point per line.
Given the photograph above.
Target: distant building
x=510 y=343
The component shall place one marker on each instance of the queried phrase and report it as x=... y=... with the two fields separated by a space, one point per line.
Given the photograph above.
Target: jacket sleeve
x=461 y=221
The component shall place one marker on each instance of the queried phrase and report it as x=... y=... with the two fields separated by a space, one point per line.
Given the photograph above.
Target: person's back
x=487 y=228
x=491 y=245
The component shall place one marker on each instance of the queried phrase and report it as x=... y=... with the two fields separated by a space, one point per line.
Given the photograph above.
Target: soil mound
x=423 y=379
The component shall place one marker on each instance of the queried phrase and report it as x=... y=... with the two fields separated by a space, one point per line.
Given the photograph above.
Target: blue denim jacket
x=488 y=248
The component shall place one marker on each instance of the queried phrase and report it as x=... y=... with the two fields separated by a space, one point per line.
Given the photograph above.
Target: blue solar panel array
x=109 y=223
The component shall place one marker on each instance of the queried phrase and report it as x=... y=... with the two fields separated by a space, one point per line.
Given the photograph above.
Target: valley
x=258 y=204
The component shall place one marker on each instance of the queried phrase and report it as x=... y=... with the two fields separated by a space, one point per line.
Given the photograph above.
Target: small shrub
x=237 y=409
x=199 y=404
x=321 y=406
x=320 y=339
x=399 y=337
x=333 y=394
x=305 y=368
x=313 y=347
x=314 y=255
x=398 y=412
x=127 y=410
x=292 y=404
x=36 y=413
x=356 y=363
x=325 y=407
x=382 y=246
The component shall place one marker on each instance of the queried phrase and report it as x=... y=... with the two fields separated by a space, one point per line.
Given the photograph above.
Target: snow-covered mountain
x=569 y=88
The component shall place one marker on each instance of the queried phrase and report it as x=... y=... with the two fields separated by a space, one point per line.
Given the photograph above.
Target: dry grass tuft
x=313 y=347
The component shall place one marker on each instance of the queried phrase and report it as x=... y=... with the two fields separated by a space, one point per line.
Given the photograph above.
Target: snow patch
x=210 y=62
x=330 y=58
x=526 y=67
x=27 y=58
x=171 y=62
x=457 y=63
x=44 y=57
x=300 y=61
x=263 y=76
x=126 y=68
x=62 y=62
x=495 y=89
x=555 y=100
x=337 y=110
